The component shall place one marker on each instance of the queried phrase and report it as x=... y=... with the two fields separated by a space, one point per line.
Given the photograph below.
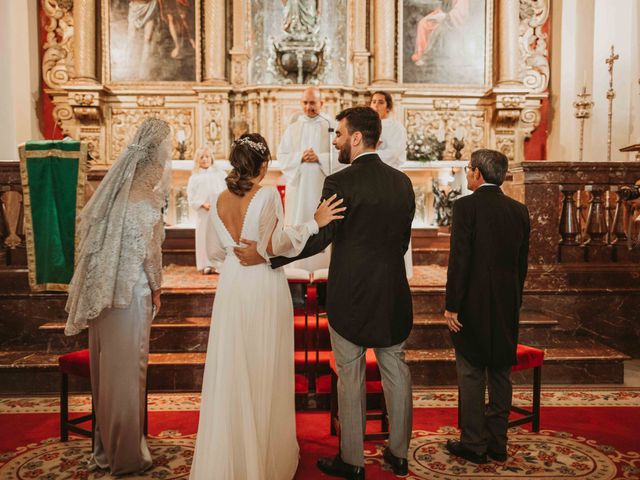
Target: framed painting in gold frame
x=151 y=41
x=445 y=44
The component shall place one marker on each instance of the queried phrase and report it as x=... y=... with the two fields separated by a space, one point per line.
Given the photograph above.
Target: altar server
x=206 y=181
x=392 y=148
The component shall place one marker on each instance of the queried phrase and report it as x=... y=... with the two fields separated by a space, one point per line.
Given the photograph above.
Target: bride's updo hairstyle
x=248 y=153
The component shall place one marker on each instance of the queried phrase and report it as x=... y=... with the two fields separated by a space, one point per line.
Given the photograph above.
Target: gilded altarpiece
x=237 y=59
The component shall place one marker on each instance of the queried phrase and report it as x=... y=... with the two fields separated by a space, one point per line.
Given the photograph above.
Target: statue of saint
x=301 y=17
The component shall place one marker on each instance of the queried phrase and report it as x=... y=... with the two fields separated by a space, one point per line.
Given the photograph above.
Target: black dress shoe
x=337 y=468
x=399 y=465
x=456 y=448
x=498 y=457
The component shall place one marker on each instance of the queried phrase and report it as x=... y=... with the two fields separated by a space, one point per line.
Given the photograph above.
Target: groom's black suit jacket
x=368 y=297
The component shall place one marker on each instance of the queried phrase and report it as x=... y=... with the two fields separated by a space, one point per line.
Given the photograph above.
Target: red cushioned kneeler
x=374 y=391
x=530 y=357
x=78 y=365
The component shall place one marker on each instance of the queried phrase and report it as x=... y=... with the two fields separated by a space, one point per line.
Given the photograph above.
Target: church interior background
x=553 y=84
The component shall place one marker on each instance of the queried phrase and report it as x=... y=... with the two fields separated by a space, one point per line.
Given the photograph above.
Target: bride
x=247 y=427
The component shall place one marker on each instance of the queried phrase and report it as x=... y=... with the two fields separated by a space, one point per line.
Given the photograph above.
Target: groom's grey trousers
x=352 y=398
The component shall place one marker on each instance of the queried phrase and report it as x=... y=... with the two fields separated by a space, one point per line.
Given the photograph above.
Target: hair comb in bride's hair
x=257 y=146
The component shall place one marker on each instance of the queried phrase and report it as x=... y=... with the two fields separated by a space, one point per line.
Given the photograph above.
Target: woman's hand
x=329 y=210
x=155 y=300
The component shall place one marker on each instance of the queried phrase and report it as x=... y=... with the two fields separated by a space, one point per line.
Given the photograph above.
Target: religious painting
x=443 y=42
x=151 y=40
x=299 y=42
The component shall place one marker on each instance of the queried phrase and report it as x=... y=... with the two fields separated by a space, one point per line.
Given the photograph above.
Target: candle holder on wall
x=458 y=145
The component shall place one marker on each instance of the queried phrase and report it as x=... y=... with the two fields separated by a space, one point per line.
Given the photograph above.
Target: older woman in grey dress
x=115 y=291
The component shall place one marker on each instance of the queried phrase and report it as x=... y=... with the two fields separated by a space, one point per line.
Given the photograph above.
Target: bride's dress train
x=247 y=427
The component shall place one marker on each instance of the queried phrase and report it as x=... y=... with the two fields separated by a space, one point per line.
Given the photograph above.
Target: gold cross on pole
x=609 y=61
x=611 y=94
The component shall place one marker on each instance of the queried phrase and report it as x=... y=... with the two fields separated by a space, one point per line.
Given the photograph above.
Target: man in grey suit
x=485 y=280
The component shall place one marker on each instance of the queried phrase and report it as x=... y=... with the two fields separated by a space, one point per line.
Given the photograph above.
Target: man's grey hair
x=493 y=165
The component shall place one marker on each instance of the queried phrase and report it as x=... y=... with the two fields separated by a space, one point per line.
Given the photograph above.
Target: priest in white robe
x=304 y=156
x=392 y=147
x=206 y=181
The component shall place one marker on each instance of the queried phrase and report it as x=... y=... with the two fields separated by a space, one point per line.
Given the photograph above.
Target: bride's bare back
x=232 y=210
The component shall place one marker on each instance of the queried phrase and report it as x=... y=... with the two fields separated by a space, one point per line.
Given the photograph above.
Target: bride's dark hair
x=248 y=153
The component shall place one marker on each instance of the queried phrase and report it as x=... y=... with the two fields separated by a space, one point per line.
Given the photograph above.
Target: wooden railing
x=12 y=248
x=576 y=213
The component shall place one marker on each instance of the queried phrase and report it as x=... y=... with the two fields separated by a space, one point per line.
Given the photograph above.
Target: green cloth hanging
x=53 y=178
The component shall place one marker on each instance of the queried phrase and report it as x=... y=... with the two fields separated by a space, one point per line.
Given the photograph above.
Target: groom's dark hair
x=364 y=120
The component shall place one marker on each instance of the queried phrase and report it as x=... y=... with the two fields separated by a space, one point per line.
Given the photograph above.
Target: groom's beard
x=345 y=154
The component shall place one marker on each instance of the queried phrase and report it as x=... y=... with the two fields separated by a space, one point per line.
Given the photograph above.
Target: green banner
x=53 y=177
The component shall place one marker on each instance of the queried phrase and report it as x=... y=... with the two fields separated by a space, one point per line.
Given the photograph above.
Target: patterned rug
x=587 y=434
x=552 y=396
x=548 y=454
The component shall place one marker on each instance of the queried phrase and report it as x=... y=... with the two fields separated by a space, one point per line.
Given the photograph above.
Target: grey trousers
x=483 y=426
x=352 y=398
x=119 y=354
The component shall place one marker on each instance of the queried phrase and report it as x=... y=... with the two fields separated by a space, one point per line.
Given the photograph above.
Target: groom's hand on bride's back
x=248 y=255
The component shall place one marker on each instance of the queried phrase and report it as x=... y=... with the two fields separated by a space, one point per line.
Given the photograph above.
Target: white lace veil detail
x=141 y=172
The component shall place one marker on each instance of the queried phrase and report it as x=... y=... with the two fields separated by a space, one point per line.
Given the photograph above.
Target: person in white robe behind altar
x=304 y=156
x=206 y=181
x=392 y=147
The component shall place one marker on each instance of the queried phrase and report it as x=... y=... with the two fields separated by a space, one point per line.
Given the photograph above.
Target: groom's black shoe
x=498 y=457
x=336 y=467
x=399 y=465
x=456 y=448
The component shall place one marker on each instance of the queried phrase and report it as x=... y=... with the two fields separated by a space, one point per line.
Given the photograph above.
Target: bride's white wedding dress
x=247 y=427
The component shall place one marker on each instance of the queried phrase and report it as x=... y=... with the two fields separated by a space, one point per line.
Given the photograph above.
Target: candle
x=460 y=133
x=440 y=134
x=181 y=136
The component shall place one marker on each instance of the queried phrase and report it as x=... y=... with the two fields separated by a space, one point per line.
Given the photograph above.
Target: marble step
x=14 y=279
x=430 y=247
x=431 y=256
x=430 y=331
x=579 y=361
x=191 y=334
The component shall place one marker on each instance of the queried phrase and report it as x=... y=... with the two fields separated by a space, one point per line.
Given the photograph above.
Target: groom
x=368 y=300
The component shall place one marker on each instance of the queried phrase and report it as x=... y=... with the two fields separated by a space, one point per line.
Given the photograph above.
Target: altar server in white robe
x=206 y=181
x=392 y=147
x=304 y=157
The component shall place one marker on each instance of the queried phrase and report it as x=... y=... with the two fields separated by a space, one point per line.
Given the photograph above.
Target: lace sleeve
x=215 y=250
x=153 y=260
x=287 y=241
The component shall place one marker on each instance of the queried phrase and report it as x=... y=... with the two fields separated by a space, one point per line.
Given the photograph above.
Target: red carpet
x=587 y=442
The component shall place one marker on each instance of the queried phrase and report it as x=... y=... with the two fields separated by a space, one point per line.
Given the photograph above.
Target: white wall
x=582 y=34
x=19 y=75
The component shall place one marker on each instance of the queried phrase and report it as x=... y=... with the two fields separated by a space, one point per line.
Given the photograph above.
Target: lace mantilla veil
x=140 y=175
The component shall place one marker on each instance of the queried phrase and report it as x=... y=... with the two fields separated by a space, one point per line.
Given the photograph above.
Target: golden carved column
x=360 y=53
x=84 y=40
x=508 y=42
x=384 y=22
x=239 y=53
x=215 y=47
